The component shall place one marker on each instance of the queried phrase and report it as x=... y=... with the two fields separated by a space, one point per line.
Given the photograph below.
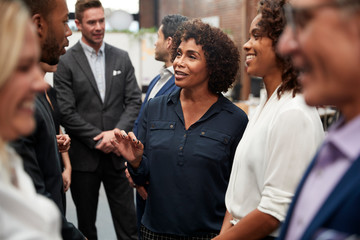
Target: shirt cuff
x=275 y=202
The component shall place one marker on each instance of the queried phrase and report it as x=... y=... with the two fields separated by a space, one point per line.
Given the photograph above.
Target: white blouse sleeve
x=293 y=140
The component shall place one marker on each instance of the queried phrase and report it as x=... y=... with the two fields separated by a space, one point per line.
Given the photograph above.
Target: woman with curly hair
x=279 y=141
x=187 y=139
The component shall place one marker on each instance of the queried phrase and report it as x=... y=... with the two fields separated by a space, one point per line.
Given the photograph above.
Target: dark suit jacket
x=84 y=115
x=40 y=155
x=341 y=210
x=169 y=87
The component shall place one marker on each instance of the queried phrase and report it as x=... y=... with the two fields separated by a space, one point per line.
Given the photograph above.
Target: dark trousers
x=146 y=234
x=85 y=193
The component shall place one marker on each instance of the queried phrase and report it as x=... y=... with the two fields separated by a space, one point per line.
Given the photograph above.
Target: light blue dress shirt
x=97 y=65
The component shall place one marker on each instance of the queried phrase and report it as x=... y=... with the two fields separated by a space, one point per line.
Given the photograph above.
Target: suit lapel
x=81 y=58
x=346 y=186
x=170 y=83
x=109 y=68
x=151 y=86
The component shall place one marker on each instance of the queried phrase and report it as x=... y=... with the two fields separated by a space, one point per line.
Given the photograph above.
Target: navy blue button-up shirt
x=188 y=170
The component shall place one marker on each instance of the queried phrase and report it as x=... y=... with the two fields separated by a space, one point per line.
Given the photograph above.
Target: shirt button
x=185 y=135
x=171 y=126
x=202 y=133
x=181 y=148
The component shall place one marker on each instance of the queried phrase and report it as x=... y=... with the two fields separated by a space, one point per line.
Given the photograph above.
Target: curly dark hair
x=221 y=54
x=272 y=24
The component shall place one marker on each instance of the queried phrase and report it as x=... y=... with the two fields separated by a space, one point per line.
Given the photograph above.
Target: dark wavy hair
x=221 y=54
x=171 y=23
x=272 y=24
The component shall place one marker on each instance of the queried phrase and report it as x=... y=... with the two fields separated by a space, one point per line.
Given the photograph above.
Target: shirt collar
x=171 y=69
x=222 y=102
x=346 y=137
x=90 y=50
x=167 y=71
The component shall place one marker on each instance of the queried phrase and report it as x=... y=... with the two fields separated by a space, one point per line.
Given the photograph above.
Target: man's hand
x=63 y=142
x=104 y=143
x=66 y=175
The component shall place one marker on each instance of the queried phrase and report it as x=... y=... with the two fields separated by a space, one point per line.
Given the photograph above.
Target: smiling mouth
x=28 y=106
x=248 y=58
x=180 y=73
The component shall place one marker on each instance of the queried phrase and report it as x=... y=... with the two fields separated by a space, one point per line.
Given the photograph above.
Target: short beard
x=50 y=50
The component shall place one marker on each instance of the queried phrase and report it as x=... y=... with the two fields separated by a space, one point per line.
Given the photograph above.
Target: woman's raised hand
x=128 y=146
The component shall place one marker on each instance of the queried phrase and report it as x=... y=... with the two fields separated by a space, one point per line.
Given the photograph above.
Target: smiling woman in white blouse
x=279 y=140
x=23 y=213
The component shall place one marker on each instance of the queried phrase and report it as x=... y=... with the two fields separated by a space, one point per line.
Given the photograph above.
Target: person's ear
x=39 y=24
x=169 y=42
x=78 y=24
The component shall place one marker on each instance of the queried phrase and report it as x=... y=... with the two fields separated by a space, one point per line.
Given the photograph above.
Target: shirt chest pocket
x=213 y=145
x=161 y=134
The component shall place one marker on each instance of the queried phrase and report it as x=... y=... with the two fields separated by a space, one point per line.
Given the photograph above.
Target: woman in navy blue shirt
x=187 y=140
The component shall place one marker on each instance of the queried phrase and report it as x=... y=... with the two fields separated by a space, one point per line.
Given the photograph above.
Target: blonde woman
x=23 y=213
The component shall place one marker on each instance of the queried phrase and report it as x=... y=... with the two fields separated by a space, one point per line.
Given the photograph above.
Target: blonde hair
x=14 y=18
x=13 y=22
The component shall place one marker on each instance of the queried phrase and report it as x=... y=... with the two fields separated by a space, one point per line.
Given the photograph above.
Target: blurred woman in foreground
x=23 y=213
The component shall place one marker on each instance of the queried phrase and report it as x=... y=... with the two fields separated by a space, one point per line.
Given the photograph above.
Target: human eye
x=192 y=56
x=178 y=53
x=24 y=67
x=302 y=17
x=256 y=35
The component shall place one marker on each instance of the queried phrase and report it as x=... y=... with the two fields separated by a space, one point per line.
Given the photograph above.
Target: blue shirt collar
x=221 y=104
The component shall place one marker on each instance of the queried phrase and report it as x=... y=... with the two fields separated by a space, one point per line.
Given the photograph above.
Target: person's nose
x=98 y=26
x=179 y=61
x=287 y=44
x=247 y=45
x=68 y=31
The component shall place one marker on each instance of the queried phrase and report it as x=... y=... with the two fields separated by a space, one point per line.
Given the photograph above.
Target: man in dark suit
x=97 y=93
x=40 y=150
x=162 y=84
x=323 y=39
